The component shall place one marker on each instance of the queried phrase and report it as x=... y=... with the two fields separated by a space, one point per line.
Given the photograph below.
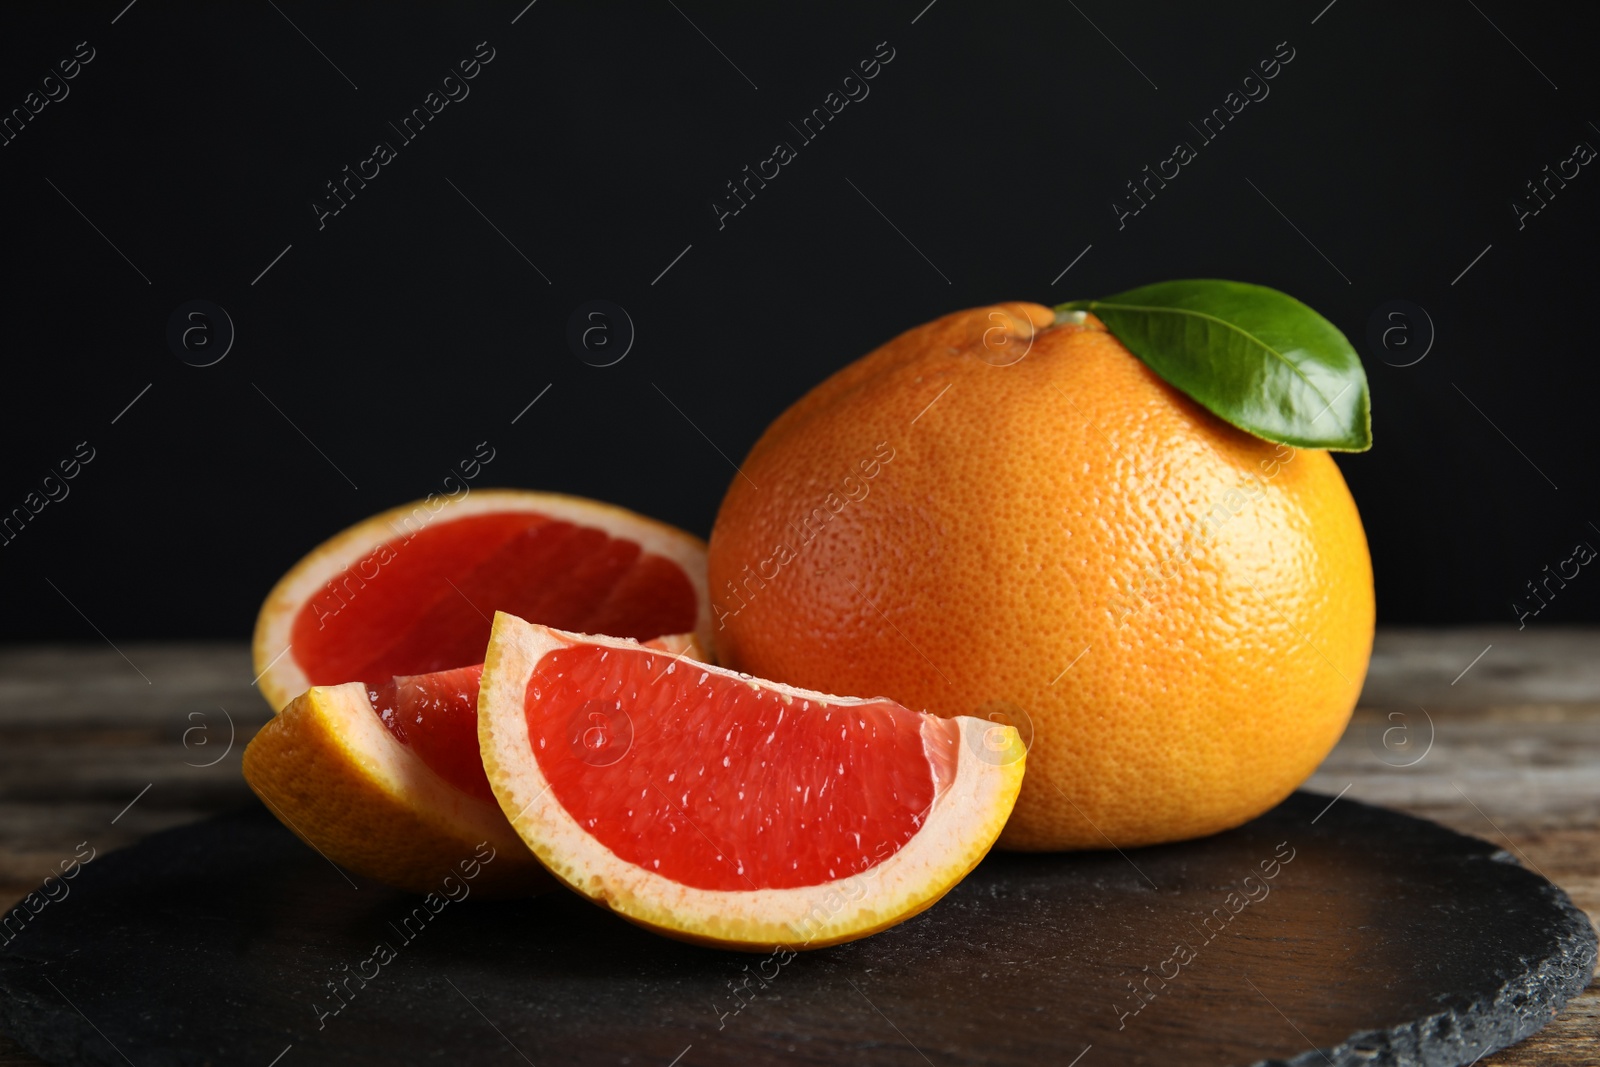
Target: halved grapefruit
x=412 y=591
x=383 y=629
x=386 y=780
x=714 y=807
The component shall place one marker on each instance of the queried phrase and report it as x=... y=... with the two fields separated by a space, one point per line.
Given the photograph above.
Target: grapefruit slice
x=412 y=591
x=718 y=808
x=382 y=630
x=386 y=780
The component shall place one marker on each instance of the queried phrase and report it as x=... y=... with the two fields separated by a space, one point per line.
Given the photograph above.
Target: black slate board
x=1380 y=939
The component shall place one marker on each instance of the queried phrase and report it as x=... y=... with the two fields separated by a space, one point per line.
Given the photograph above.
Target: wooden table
x=106 y=747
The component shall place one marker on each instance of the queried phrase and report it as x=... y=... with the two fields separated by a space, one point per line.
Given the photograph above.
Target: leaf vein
x=1223 y=322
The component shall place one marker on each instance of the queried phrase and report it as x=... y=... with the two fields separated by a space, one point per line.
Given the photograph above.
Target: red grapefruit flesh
x=412 y=591
x=719 y=808
x=436 y=716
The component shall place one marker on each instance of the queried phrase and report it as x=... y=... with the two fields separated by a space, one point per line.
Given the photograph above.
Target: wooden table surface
x=107 y=746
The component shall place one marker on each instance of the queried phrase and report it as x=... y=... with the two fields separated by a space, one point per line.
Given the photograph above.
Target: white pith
x=281 y=677
x=402 y=776
x=963 y=822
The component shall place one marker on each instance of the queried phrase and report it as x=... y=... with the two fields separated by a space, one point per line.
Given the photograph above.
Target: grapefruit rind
x=280 y=678
x=964 y=821
x=329 y=769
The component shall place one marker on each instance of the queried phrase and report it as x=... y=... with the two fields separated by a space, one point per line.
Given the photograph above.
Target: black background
x=407 y=330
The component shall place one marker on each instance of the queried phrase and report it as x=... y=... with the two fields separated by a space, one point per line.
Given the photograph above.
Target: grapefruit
x=386 y=780
x=412 y=591
x=718 y=808
x=999 y=514
x=382 y=632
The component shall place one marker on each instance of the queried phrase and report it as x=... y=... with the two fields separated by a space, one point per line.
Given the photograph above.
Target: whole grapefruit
x=1002 y=515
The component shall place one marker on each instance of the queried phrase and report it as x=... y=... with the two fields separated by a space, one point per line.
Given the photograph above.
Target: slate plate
x=1353 y=935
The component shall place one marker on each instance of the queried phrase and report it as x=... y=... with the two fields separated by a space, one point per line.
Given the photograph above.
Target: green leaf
x=1254 y=357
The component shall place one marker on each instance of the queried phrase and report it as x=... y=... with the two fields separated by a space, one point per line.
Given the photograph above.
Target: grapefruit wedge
x=718 y=808
x=412 y=591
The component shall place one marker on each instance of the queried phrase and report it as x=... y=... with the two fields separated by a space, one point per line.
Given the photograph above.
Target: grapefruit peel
x=330 y=770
